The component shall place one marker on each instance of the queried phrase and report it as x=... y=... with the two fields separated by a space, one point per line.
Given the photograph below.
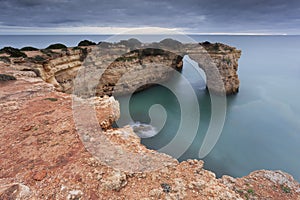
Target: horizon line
x=204 y=34
x=150 y=30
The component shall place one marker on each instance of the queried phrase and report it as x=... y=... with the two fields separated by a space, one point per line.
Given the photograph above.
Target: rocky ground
x=43 y=157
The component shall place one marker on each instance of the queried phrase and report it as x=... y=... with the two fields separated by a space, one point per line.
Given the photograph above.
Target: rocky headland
x=43 y=157
x=139 y=64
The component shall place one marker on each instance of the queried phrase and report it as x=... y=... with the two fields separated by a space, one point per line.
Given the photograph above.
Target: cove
x=261 y=130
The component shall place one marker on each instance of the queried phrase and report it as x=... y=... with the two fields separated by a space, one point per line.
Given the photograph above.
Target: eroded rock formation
x=226 y=59
x=121 y=69
x=43 y=157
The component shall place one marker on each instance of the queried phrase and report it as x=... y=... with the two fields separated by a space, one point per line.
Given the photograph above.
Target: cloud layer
x=197 y=16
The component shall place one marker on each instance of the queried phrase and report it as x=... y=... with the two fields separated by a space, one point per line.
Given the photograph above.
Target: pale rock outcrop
x=117 y=69
x=15 y=191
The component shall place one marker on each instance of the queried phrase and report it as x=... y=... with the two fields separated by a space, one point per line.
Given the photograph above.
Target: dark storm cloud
x=192 y=15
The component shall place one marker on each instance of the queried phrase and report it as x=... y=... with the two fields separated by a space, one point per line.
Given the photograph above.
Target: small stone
x=27 y=128
x=155 y=193
x=116 y=181
x=40 y=175
x=74 y=195
x=166 y=187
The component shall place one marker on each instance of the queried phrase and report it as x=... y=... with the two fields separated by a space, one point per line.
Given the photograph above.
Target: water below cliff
x=262 y=127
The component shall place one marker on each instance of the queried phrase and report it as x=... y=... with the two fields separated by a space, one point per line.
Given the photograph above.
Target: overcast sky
x=189 y=16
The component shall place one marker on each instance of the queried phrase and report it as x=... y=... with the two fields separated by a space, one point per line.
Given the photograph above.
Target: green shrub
x=150 y=52
x=77 y=48
x=205 y=43
x=48 y=52
x=227 y=60
x=39 y=59
x=57 y=46
x=251 y=191
x=86 y=43
x=170 y=43
x=5 y=59
x=84 y=54
x=216 y=47
x=130 y=58
x=285 y=189
x=29 y=49
x=227 y=48
x=5 y=77
x=13 y=52
x=131 y=43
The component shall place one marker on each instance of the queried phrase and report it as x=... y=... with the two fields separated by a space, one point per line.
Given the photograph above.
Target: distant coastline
x=42 y=41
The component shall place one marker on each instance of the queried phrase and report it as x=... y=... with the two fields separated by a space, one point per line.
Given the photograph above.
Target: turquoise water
x=262 y=127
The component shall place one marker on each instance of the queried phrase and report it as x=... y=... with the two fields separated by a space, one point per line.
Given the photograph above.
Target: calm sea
x=262 y=127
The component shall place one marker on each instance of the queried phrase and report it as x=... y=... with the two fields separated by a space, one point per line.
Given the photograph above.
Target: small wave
x=202 y=87
x=143 y=130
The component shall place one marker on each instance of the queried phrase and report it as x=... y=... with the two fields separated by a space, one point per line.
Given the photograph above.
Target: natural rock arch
x=218 y=61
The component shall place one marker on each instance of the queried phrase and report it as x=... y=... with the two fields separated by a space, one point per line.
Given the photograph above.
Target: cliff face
x=134 y=71
x=226 y=59
x=43 y=157
x=137 y=69
x=61 y=70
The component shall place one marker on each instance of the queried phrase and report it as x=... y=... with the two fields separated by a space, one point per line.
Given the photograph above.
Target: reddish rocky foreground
x=42 y=156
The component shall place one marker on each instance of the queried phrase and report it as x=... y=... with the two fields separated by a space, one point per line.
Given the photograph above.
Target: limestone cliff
x=226 y=59
x=43 y=157
x=137 y=69
x=134 y=70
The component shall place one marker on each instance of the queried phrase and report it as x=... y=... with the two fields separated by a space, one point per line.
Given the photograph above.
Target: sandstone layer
x=43 y=157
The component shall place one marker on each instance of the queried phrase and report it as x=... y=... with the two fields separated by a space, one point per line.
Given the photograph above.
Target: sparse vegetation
x=4 y=59
x=57 y=46
x=212 y=47
x=153 y=52
x=149 y=52
x=247 y=196
x=285 y=189
x=216 y=47
x=13 y=52
x=86 y=43
x=48 y=52
x=170 y=43
x=205 y=43
x=227 y=48
x=227 y=60
x=251 y=191
x=39 y=59
x=131 y=43
x=84 y=53
x=76 y=48
x=240 y=191
x=124 y=59
x=29 y=49
x=5 y=77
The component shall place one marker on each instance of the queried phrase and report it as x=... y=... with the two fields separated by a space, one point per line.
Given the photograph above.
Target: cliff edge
x=43 y=157
x=130 y=66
